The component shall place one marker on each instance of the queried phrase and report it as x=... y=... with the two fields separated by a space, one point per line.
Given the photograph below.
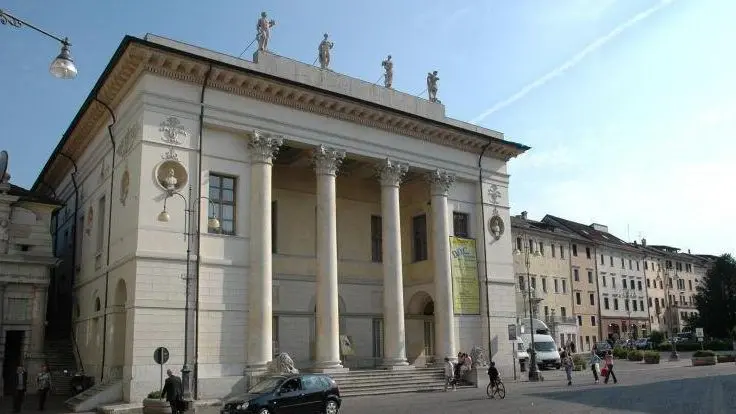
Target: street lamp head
x=213 y=223
x=164 y=216
x=63 y=66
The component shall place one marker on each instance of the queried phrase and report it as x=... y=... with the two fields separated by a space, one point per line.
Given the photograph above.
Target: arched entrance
x=614 y=331
x=420 y=337
x=119 y=328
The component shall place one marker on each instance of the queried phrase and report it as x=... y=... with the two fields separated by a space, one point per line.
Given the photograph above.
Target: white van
x=546 y=350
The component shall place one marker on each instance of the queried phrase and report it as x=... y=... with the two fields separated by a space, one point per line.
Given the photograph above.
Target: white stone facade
x=296 y=271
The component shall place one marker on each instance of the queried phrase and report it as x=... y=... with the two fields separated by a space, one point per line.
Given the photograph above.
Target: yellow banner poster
x=465 y=286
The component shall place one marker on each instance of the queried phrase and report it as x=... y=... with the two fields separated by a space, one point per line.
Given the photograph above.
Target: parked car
x=643 y=343
x=602 y=348
x=304 y=393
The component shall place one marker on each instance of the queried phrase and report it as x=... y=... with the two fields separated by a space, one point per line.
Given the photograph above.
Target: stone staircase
x=59 y=357
x=100 y=394
x=382 y=382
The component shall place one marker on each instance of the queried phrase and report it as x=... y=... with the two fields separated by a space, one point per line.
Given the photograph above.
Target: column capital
x=440 y=181
x=391 y=173
x=327 y=160
x=264 y=146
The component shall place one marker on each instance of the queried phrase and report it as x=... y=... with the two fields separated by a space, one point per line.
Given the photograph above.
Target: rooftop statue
x=263 y=32
x=324 y=52
x=388 y=77
x=432 y=79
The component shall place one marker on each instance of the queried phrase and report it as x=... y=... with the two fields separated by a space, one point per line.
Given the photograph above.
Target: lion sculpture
x=479 y=357
x=282 y=364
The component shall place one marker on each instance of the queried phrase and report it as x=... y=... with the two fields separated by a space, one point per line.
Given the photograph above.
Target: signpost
x=700 y=335
x=512 y=338
x=161 y=356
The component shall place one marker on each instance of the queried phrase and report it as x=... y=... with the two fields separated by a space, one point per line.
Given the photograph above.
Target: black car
x=292 y=394
x=602 y=348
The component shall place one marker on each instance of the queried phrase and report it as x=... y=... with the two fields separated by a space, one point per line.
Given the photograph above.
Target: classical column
x=390 y=174
x=326 y=162
x=440 y=182
x=263 y=147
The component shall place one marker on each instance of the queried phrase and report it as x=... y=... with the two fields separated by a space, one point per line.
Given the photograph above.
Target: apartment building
x=681 y=281
x=585 y=302
x=656 y=286
x=548 y=250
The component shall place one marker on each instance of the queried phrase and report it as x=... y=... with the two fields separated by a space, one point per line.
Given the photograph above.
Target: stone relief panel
x=124 y=185
x=171 y=175
x=173 y=131
x=132 y=134
x=90 y=216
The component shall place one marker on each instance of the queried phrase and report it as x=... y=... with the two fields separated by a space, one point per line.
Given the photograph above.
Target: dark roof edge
x=128 y=39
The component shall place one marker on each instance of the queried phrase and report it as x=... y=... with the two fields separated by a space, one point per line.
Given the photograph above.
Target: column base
x=329 y=367
x=395 y=364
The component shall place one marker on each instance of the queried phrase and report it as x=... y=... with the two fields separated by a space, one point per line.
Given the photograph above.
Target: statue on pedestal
x=324 y=52
x=388 y=77
x=263 y=32
x=432 y=79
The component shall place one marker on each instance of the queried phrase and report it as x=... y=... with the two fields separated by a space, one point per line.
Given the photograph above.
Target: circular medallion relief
x=171 y=175
x=496 y=226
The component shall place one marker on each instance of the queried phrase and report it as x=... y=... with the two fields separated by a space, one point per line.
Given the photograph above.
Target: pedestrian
x=173 y=392
x=449 y=374
x=609 y=368
x=20 y=385
x=43 y=383
x=595 y=362
x=567 y=363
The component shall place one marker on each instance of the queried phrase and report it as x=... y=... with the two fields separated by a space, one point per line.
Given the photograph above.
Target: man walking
x=43 y=382
x=173 y=392
x=20 y=384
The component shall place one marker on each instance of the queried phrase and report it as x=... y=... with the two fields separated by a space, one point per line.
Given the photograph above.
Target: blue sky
x=636 y=130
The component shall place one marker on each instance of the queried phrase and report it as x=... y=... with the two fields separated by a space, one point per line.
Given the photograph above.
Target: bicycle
x=499 y=390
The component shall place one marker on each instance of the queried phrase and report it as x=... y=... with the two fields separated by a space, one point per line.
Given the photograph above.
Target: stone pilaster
x=327 y=161
x=259 y=338
x=390 y=174
x=440 y=183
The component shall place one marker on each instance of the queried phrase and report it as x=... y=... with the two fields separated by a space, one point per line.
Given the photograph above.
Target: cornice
x=136 y=57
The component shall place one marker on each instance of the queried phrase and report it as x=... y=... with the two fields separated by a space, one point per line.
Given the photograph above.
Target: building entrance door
x=13 y=357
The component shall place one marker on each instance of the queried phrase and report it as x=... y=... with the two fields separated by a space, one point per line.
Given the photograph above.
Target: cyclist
x=493 y=375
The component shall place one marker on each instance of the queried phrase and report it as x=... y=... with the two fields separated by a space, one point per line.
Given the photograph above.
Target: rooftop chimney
x=599 y=227
x=523 y=215
x=688 y=251
x=644 y=242
x=635 y=243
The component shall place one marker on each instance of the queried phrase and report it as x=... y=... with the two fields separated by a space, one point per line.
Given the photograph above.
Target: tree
x=692 y=322
x=656 y=337
x=716 y=298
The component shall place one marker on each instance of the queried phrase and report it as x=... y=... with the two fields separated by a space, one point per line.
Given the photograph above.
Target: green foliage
x=716 y=298
x=578 y=362
x=620 y=353
x=703 y=354
x=635 y=355
x=716 y=345
x=155 y=394
x=665 y=347
x=656 y=337
x=651 y=357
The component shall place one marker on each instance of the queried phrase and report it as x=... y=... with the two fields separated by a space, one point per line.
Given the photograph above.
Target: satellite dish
x=3 y=163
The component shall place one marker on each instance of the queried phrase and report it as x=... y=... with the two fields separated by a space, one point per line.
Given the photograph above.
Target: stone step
x=384 y=384
x=392 y=380
x=396 y=390
x=380 y=382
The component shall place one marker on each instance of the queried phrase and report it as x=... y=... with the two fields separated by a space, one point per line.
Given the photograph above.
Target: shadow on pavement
x=54 y=404
x=692 y=395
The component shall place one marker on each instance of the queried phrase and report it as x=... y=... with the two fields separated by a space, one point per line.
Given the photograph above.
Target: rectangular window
x=592 y=320
x=690 y=284
x=275 y=226
x=650 y=301
x=590 y=276
x=587 y=252
x=544 y=284
x=637 y=265
x=575 y=250
x=552 y=249
x=222 y=203
x=630 y=265
x=648 y=284
x=576 y=275
x=615 y=304
x=521 y=283
x=623 y=265
x=577 y=298
x=633 y=304
x=419 y=228
x=562 y=252
x=580 y=320
x=101 y=205
x=592 y=299
x=638 y=284
x=613 y=282
x=646 y=265
x=563 y=312
x=605 y=303
x=603 y=260
x=534 y=282
x=460 y=224
x=623 y=283
x=376 y=239
x=564 y=286
x=603 y=279
x=626 y=304
x=541 y=248
x=610 y=259
x=519 y=244
x=641 y=304
x=546 y=312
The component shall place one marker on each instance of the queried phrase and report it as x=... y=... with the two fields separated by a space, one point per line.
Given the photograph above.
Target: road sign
x=512 y=332
x=699 y=333
x=161 y=355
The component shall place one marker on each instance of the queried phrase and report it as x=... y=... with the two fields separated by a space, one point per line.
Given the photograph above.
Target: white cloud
x=573 y=61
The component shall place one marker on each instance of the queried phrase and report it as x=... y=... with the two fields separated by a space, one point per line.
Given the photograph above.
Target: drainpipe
x=483 y=239
x=109 y=230
x=199 y=239
x=74 y=250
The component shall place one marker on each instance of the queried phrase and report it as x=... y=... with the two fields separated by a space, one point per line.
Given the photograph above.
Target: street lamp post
x=63 y=66
x=673 y=356
x=189 y=319
x=533 y=369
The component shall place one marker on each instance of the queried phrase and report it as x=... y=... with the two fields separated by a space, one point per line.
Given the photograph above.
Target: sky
x=629 y=105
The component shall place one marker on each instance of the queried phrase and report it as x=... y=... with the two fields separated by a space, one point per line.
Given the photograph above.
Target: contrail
x=572 y=62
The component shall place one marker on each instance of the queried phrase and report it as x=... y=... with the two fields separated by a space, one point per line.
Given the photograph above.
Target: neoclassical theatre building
x=349 y=225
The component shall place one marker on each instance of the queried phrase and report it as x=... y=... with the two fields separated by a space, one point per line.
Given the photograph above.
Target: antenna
x=628 y=232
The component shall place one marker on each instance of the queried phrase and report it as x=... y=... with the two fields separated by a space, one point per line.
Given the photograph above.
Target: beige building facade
x=682 y=281
x=586 y=306
x=549 y=274
x=335 y=202
x=26 y=261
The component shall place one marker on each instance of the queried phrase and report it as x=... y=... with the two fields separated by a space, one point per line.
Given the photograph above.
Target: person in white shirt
x=449 y=374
